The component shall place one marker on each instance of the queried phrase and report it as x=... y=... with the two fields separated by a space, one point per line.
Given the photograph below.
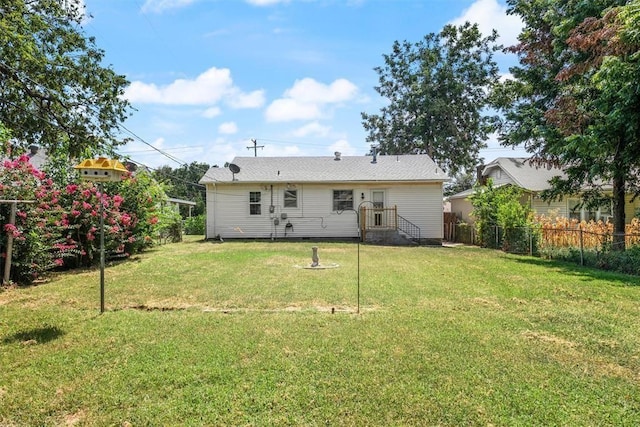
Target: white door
x=377 y=197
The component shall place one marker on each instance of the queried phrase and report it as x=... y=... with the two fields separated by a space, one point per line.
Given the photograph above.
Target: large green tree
x=54 y=90
x=575 y=100
x=182 y=183
x=437 y=92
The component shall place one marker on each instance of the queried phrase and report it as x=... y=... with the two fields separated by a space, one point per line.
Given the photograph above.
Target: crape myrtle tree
x=54 y=90
x=437 y=92
x=575 y=99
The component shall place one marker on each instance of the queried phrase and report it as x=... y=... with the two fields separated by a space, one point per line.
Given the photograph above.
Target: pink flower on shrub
x=71 y=188
x=22 y=214
x=10 y=228
x=117 y=200
x=125 y=219
x=90 y=237
x=153 y=220
x=58 y=261
x=75 y=213
x=87 y=206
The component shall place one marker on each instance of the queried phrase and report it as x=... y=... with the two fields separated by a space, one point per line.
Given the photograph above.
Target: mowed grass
x=201 y=333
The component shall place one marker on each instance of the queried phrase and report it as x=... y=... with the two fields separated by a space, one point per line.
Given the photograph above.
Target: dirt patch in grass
x=74 y=419
x=568 y=354
x=547 y=338
x=488 y=303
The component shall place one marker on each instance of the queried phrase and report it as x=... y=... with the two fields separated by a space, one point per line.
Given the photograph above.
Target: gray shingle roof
x=406 y=168
x=525 y=174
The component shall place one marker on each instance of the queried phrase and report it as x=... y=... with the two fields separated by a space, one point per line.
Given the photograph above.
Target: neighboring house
x=318 y=197
x=176 y=203
x=534 y=179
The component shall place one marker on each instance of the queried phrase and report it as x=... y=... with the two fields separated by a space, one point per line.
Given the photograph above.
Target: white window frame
x=255 y=204
x=290 y=198
x=341 y=203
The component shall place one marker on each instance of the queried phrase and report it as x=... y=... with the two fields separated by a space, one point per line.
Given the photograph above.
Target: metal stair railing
x=409 y=228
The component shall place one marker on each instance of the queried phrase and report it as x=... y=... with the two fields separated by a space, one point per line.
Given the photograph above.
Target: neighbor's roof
x=408 y=168
x=525 y=174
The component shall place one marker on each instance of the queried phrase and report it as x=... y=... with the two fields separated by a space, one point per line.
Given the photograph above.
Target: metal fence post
x=581 y=246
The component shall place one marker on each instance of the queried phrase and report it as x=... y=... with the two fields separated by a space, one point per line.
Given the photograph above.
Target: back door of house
x=377 y=197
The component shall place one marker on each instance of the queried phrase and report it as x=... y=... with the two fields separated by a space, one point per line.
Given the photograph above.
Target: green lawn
x=201 y=333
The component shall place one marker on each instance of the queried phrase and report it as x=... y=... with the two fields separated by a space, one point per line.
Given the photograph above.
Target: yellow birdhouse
x=101 y=170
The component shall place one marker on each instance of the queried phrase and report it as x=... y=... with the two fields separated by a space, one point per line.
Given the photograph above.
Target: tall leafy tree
x=437 y=92
x=183 y=184
x=575 y=101
x=54 y=90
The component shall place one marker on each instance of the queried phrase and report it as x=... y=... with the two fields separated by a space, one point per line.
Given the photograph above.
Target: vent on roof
x=337 y=155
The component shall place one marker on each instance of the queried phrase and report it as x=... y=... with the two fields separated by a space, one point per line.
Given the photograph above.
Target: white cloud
x=212 y=112
x=283 y=110
x=210 y=87
x=306 y=99
x=343 y=146
x=490 y=14
x=228 y=128
x=314 y=129
x=266 y=2
x=159 y=6
x=254 y=99
x=309 y=90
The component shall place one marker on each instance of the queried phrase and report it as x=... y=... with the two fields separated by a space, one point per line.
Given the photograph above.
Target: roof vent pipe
x=337 y=154
x=375 y=155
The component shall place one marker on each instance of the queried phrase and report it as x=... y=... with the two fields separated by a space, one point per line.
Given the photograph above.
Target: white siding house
x=319 y=197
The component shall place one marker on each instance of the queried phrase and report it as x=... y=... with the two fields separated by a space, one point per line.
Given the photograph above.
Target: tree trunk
x=618 y=208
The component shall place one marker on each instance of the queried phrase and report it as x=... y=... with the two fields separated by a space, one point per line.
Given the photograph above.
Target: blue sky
x=207 y=76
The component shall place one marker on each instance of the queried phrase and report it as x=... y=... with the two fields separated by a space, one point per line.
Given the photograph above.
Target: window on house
x=255 y=203
x=290 y=198
x=575 y=207
x=342 y=200
x=606 y=210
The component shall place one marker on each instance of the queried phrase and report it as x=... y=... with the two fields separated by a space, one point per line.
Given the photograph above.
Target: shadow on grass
x=35 y=336
x=584 y=272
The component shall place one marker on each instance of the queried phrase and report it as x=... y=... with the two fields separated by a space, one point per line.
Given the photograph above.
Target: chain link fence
x=585 y=247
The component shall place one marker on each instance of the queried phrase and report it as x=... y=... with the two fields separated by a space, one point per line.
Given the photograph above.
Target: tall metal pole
x=358 y=308
x=7 y=261
x=100 y=188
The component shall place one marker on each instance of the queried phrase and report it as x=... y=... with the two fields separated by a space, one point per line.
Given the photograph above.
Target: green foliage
x=627 y=261
x=437 y=97
x=169 y=226
x=195 y=225
x=142 y=197
x=60 y=226
x=37 y=230
x=54 y=89
x=502 y=219
x=182 y=183
x=461 y=182
x=575 y=97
